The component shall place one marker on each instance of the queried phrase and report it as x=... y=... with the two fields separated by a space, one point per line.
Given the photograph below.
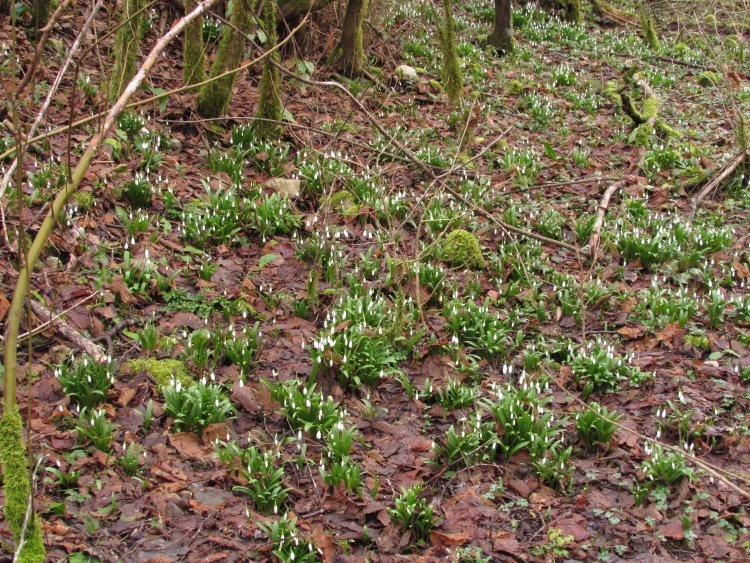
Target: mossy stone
x=461 y=248
x=164 y=371
x=515 y=87
x=699 y=342
x=84 y=200
x=707 y=79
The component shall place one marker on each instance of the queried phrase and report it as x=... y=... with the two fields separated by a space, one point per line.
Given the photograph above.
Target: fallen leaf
x=449 y=538
x=322 y=541
x=630 y=332
x=4 y=305
x=187 y=443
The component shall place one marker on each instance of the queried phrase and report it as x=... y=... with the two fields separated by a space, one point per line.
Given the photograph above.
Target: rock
x=288 y=187
x=405 y=72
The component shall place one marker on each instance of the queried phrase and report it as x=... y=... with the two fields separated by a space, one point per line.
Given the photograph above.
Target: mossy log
x=646 y=120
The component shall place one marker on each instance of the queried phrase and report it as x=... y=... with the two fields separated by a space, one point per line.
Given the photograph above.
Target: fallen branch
x=725 y=172
x=68 y=332
x=601 y=211
x=714 y=471
x=646 y=122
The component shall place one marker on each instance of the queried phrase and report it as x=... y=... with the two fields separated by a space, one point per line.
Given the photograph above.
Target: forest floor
x=339 y=346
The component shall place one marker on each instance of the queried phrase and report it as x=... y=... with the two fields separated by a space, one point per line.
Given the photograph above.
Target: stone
x=288 y=187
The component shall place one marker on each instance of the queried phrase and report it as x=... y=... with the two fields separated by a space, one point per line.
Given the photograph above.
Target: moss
x=649 y=32
x=572 y=10
x=164 y=371
x=192 y=53
x=681 y=48
x=17 y=486
x=125 y=56
x=352 y=52
x=515 y=87
x=269 y=102
x=343 y=202
x=452 y=77
x=461 y=248
x=699 y=342
x=84 y=200
x=708 y=78
x=612 y=93
x=214 y=97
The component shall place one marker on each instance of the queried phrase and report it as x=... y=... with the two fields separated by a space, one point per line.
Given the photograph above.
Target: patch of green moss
x=84 y=200
x=17 y=487
x=515 y=87
x=164 y=371
x=707 y=79
x=343 y=202
x=461 y=248
x=699 y=342
x=612 y=92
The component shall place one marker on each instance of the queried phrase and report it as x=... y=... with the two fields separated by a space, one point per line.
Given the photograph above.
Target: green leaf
x=193 y=250
x=264 y=260
x=549 y=150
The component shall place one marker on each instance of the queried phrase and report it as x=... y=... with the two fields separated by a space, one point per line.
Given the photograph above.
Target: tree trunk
x=40 y=13
x=269 y=110
x=214 y=97
x=192 y=52
x=502 y=35
x=353 y=54
x=126 y=48
x=452 y=77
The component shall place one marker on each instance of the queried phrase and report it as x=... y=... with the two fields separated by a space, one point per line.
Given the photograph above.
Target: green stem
x=40 y=241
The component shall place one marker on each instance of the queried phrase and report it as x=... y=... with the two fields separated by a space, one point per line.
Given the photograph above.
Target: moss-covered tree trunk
x=214 y=97
x=353 y=53
x=649 y=32
x=126 y=48
x=269 y=109
x=17 y=488
x=452 y=78
x=572 y=9
x=40 y=13
x=502 y=34
x=192 y=53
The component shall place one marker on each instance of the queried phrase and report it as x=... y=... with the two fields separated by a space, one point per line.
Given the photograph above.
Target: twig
x=67 y=332
x=726 y=171
x=26 y=80
x=424 y=167
x=45 y=106
x=601 y=211
x=42 y=327
x=709 y=468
